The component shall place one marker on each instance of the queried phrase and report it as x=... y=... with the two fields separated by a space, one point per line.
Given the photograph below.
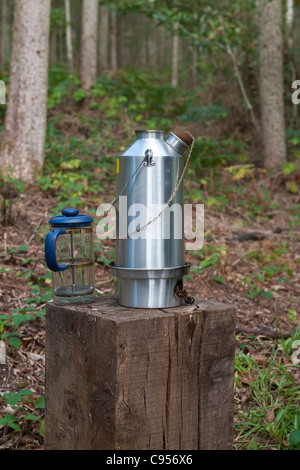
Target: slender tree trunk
x=89 y=34
x=152 y=46
x=3 y=32
x=113 y=41
x=161 y=41
x=271 y=84
x=126 y=31
x=289 y=22
x=142 y=50
x=23 y=139
x=69 y=35
x=61 y=56
x=103 y=39
x=53 y=46
x=175 y=57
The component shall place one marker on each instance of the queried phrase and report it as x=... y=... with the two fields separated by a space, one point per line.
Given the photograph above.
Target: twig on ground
x=263 y=332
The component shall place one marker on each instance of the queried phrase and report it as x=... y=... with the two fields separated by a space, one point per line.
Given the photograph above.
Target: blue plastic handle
x=50 y=248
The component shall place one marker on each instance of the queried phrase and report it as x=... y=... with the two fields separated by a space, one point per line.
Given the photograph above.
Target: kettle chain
x=173 y=192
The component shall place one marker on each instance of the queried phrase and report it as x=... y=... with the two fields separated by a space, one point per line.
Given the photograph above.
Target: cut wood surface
x=119 y=378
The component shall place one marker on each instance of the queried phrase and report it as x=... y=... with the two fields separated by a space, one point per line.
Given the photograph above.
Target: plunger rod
x=72 y=268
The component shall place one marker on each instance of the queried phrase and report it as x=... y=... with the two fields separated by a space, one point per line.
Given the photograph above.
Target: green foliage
x=288 y=168
x=135 y=94
x=198 y=22
x=57 y=18
x=293 y=144
x=18 y=401
x=67 y=180
x=211 y=255
x=212 y=153
x=62 y=84
x=104 y=255
x=241 y=171
x=274 y=412
x=130 y=92
x=203 y=114
x=8 y=179
x=79 y=95
x=259 y=278
x=294 y=437
x=10 y=324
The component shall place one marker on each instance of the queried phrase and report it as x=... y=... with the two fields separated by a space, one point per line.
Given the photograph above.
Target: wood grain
x=119 y=378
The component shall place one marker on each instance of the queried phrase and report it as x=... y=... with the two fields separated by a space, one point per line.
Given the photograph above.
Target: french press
x=69 y=255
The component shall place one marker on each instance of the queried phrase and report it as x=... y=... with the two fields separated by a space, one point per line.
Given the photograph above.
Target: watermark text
x=152 y=222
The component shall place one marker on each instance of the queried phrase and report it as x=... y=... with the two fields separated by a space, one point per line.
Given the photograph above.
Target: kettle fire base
x=149 y=288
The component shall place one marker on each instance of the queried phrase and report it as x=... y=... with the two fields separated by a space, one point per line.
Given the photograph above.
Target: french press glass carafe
x=69 y=255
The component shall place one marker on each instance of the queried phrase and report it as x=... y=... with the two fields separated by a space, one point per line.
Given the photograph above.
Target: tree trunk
x=3 y=33
x=61 y=55
x=89 y=30
x=175 y=57
x=53 y=46
x=152 y=46
x=271 y=84
x=113 y=41
x=103 y=39
x=69 y=35
x=22 y=142
x=289 y=22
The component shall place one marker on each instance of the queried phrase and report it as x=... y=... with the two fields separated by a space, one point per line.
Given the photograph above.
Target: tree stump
x=136 y=379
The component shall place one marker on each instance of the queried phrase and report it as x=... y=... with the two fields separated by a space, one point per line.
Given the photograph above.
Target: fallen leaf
x=291 y=186
x=271 y=416
x=260 y=359
x=246 y=377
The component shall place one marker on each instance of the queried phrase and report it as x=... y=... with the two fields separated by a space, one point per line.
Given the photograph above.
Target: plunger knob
x=70 y=212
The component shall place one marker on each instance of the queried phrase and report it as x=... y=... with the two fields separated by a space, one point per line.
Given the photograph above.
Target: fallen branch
x=263 y=331
x=4 y=284
x=106 y=281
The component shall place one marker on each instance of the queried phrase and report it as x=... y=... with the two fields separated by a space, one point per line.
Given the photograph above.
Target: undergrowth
x=81 y=146
x=272 y=417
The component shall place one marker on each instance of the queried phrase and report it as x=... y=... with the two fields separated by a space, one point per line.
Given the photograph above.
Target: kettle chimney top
x=179 y=140
x=184 y=136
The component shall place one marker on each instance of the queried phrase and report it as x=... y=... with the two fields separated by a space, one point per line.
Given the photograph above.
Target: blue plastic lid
x=71 y=218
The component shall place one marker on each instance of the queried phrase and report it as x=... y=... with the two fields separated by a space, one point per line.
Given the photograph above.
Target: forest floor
x=249 y=260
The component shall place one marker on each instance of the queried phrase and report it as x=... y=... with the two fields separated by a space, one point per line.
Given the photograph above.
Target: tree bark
x=103 y=39
x=113 y=41
x=22 y=142
x=119 y=378
x=69 y=35
x=3 y=32
x=271 y=84
x=89 y=30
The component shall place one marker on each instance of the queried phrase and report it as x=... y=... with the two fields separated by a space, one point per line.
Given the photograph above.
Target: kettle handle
x=50 y=248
